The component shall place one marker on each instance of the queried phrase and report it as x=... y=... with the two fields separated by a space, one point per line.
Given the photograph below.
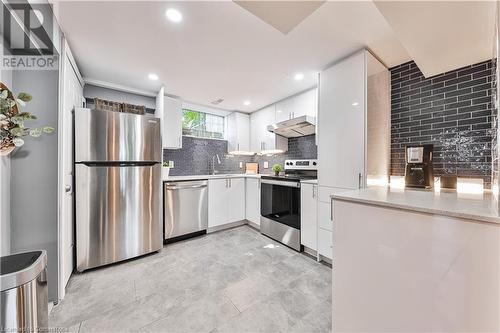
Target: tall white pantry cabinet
x=353 y=133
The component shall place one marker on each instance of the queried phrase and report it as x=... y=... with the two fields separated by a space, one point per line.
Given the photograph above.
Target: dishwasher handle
x=183 y=187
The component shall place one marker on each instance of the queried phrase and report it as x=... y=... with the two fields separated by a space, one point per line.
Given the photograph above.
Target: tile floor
x=231 y=281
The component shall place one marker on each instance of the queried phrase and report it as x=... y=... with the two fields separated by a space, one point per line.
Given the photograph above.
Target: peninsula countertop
x=479 y=207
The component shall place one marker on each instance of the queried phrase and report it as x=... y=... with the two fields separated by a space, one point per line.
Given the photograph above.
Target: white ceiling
x=219 y=50
x=443 y=35
x=283 y=15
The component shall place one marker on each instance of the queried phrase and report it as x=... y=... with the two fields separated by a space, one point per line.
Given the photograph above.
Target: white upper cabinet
x=238 y=132
x=261 y=140
x=306 y=104
x=284 y=109
x=303 y=104
x=342 y=122
x=170 y=112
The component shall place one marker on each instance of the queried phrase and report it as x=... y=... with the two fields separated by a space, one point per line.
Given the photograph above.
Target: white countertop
x=223 y=176
x=479 y=207
x=218 y=176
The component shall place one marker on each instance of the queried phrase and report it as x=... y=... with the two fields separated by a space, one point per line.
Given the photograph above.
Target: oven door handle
x=280 y=183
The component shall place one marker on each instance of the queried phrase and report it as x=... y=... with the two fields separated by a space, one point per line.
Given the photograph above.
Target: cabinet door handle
x=359 y=180
x=331 y=210
x=238 y=146
x=226 y=183
x=313 y=191
x=230 y=183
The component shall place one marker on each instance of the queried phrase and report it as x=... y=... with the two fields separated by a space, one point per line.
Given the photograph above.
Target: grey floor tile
x=261 y=317
x=90 y=300
x=195 y=313
x=133 y=316
x=314 y=283
x=251 y=290
x=295 y=303
x=318 y=320
x=235 y=280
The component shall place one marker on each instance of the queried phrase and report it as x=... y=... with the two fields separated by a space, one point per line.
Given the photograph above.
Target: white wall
x=91 y=91
x=5 y=205
x=34 y=172
x=6 y=78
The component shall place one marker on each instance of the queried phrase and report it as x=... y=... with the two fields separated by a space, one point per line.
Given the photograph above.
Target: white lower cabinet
x=226 y=201
x=325 y=243
x=308 y=216
x=217 y=202
x=324 y=216
x=236 y=199
x=253 y=200
x=325 y=225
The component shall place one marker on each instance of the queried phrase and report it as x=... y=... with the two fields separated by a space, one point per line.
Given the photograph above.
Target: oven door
x=280 y=202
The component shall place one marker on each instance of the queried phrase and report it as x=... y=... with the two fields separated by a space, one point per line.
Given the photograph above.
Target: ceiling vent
x=217 y=101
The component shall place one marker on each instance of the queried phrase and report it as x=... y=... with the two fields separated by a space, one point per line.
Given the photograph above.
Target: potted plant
x=277 y=168
x=12 y=127
x=165 y=170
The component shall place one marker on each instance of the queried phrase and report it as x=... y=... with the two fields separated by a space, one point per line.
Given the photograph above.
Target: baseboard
x=184 y=237
x=226 y=226
x=311 y=252
x=325 y=260
x=253 y=225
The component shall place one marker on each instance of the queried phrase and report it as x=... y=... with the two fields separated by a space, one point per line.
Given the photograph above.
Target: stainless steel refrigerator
x=117 y=186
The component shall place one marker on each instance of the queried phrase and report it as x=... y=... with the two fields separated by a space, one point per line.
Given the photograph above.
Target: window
x=202 y=125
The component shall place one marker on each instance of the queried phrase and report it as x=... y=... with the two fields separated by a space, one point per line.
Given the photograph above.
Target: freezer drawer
x=106 y=136
x=186 y=208
x=118 y=213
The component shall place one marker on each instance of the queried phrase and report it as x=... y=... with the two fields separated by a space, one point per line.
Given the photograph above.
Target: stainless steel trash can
x=24 y=301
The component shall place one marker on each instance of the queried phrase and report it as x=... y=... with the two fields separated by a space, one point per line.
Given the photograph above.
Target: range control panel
x=301 y=164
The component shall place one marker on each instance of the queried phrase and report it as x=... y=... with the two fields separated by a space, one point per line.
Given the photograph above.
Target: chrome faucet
x=213 y=162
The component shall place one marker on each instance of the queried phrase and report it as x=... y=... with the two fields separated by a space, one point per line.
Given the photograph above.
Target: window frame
x=224 y=129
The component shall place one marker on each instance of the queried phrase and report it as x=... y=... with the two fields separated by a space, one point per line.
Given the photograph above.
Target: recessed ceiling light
x=153 y=76
x=299 y=76
x=173 y=15
x=355 y=104
x=246 y=103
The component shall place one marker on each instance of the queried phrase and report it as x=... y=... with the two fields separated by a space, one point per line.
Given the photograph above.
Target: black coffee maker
x=419 y=172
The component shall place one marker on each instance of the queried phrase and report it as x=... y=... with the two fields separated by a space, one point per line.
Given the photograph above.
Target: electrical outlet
x=241 y=165
x=266 y=165
x=171 y=164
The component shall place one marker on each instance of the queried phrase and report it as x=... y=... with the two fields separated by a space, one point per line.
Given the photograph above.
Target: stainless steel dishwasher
x=185 y=209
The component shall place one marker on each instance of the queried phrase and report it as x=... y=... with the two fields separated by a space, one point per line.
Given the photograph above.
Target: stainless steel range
x=280 y=202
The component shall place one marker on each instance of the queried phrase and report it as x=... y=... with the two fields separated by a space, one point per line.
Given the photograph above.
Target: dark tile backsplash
x=453 y=111
x=195 y=157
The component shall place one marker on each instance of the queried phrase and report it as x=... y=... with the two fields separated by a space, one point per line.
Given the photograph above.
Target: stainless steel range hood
x=300 y=126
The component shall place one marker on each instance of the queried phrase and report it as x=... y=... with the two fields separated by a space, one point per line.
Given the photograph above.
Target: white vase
x=164 y=172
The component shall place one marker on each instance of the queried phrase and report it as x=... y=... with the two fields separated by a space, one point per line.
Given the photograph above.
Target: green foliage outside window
x=202 y=125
